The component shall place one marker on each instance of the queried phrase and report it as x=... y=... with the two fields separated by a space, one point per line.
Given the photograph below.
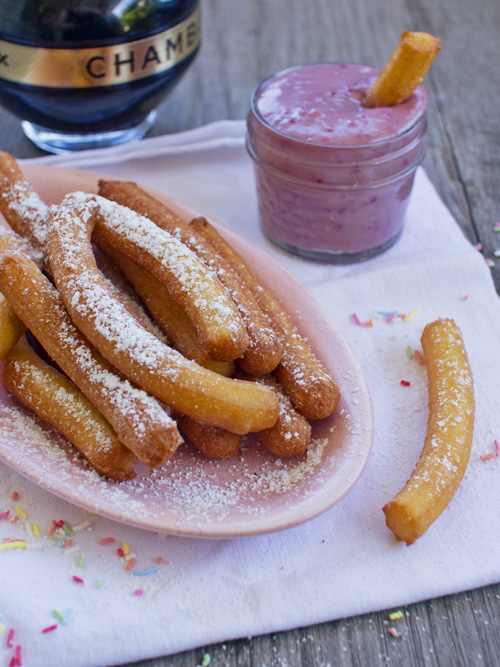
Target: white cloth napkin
x=342 y=563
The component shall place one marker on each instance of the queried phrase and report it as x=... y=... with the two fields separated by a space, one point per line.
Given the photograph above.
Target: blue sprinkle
x=144 y=573
x=68 y=615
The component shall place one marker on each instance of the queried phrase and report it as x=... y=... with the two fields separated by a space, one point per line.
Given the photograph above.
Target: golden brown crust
x=312 y=391
x=167 y=313
x=213 y=442
x=291 y=434
x=448 y=441
x=265 y=347
x=405 y=70
x=59 y=402
x=140 y=422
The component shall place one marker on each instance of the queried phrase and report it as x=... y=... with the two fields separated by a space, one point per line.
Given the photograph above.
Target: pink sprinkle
x=487 y=457
x=391 y=317
x=5 y=514
x=107 y=540
x=77 y=580
x=497 y=447
x=17 y=656
x=139 y=591
x=10 y=637
x=120 y=552
x=405 y=383
x=356 y=319
x=50 y=628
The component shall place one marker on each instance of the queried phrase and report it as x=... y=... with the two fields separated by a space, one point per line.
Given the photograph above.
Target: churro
x=59 y=402
x=140 y=421
x=302 y=376
x=189 y=280
x=22 y=207
x=265 y=347
x=404 y=71
x=237 y=406
x=11 y=327
x=291 y=434
x=167 y=313
x=448 y=441
x=213 y=442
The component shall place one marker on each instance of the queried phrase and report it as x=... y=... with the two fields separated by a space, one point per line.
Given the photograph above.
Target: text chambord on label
x=102 y=66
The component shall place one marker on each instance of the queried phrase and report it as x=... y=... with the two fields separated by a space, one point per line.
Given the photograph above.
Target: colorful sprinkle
x=206 y=660
x=356 y=319
x=79 y=561
x=139 y=591
x=15 y=495
x=410 y=316
x=81 y=526
x=16 y=660
x=2 y=628
x=107 y=540
x=21 y=512
x=5 y=515
x=395 y=615
x=50 y=628
x=77 y=580
x=130 y=565
x=393 y=632
x=125 y=548
x=409 y=352
x=491 y=455
x=120 y=552
x=68 y=615
x=58 y=614
x=160 y=560
x=144 y=573
x=10 y=638
x=15 y=544
x=418 y=357
x=405 y=383
x=99 y=583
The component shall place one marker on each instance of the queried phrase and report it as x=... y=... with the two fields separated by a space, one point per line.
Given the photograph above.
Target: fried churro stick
x=291 y=434
x=213 y=442
x=301 y=375
x=189 y=280
x=237 y=406
x=11 y=327
x=59 y=402
x=265 y=348
x=448 y=441
x=22 y=207
x=167 y=313
x=139 y=420
x=405 y=70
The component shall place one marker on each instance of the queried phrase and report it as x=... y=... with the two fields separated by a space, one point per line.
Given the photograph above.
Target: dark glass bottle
x=86 y=73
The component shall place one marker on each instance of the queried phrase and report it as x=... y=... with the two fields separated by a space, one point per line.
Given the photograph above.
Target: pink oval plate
x=193 y=496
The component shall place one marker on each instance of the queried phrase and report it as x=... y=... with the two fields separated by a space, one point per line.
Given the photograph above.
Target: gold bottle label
x=100 y=66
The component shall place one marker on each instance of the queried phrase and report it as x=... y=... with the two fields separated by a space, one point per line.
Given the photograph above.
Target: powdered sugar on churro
x=174 y=256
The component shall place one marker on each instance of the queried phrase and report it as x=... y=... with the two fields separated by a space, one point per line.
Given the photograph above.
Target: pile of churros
x=129 y=330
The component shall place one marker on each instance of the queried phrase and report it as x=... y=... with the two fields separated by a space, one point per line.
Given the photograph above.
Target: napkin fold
x=189 y=592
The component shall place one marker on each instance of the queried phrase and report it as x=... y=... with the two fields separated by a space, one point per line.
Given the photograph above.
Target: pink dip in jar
x=333 y=177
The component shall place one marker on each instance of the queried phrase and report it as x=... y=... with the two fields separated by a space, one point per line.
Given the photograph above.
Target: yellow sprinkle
x=17 y=544
x=36 y=530
x=2 y=628
x=395 y=615
x=125 y=548
x=21 y=512
x=411 y=316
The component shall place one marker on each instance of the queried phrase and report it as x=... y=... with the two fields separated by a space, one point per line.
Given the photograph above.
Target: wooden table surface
x=245 y=42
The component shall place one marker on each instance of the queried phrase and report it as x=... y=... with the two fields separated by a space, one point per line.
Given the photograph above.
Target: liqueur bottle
x=88 y=73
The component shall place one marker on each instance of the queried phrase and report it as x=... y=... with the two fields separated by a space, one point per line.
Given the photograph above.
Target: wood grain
x=242 y=43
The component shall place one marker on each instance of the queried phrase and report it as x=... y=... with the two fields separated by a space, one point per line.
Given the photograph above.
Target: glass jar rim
x=254 y=110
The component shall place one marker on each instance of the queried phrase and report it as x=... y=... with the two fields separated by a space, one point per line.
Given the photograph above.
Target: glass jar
x=88 y=73
x=333 y=177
